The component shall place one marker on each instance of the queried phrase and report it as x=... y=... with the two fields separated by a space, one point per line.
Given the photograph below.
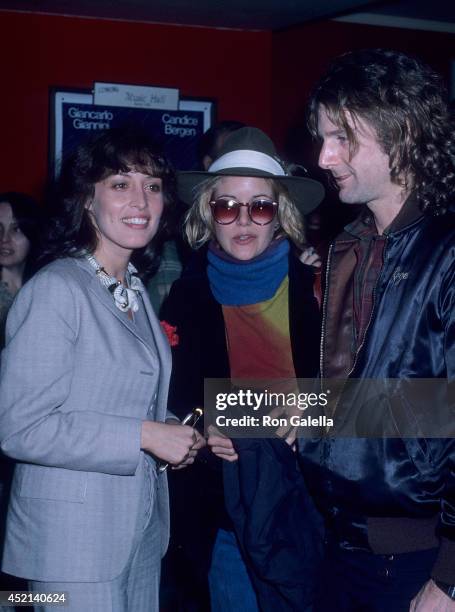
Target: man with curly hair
x=387 y=142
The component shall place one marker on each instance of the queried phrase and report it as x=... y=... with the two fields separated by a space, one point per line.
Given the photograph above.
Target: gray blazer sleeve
x=46 y=416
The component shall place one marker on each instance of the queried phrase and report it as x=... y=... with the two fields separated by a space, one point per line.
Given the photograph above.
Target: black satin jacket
x=393 y=495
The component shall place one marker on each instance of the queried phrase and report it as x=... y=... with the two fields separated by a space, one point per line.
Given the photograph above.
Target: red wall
x=257 y=77
x=40 y=51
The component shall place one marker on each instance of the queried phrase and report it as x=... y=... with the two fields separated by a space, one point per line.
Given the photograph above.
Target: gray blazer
x=76 y=382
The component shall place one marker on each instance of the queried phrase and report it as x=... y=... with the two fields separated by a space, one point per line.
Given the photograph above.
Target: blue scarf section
x=237 y=283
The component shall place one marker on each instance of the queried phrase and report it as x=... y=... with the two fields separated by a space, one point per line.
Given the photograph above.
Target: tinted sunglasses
x=226 y=210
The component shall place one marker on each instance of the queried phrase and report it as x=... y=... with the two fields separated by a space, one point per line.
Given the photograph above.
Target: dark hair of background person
x=212 y=140
x=28 y=215
x=406 y=103
x=70 y=231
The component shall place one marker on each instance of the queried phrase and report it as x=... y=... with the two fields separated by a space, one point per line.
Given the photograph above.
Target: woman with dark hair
x=19 y=234
x=83 y=391
x=243 y=309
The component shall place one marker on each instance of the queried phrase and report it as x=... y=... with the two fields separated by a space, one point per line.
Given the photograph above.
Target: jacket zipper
x=324 y=312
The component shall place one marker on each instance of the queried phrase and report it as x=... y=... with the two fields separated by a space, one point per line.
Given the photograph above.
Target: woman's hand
x=221 y=446
x=310 y=257
x=171 y=442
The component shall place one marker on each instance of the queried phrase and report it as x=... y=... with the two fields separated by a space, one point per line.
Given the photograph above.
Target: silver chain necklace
x=125 y=298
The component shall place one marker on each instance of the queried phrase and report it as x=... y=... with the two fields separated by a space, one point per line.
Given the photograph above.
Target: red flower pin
x=171 y=333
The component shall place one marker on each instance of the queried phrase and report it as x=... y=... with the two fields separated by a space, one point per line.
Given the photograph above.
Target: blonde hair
x=200 y=226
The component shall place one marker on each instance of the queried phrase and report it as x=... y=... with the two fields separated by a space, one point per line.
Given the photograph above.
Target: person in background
x=20 y=223
x=388 y=143
x=213 y=139
x=83 y=390
x=244 y=308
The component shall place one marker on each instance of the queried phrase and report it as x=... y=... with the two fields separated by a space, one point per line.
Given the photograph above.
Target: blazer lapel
x=162 y=344
x=164 y=355
x=105 y=297
x=107 y=300
x=161 y=348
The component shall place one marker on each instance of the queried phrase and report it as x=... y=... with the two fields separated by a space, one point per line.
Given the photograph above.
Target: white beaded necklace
x=125 y=298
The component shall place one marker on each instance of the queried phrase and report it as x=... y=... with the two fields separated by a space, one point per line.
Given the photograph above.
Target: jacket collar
x=106 y=299
x=364 y=226
x=161 y=349
x=409 y=213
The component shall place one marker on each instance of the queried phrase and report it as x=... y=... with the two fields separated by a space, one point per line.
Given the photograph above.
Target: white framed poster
x=74 y=116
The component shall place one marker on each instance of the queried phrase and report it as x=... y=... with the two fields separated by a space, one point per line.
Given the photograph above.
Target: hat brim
x=305 y=193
